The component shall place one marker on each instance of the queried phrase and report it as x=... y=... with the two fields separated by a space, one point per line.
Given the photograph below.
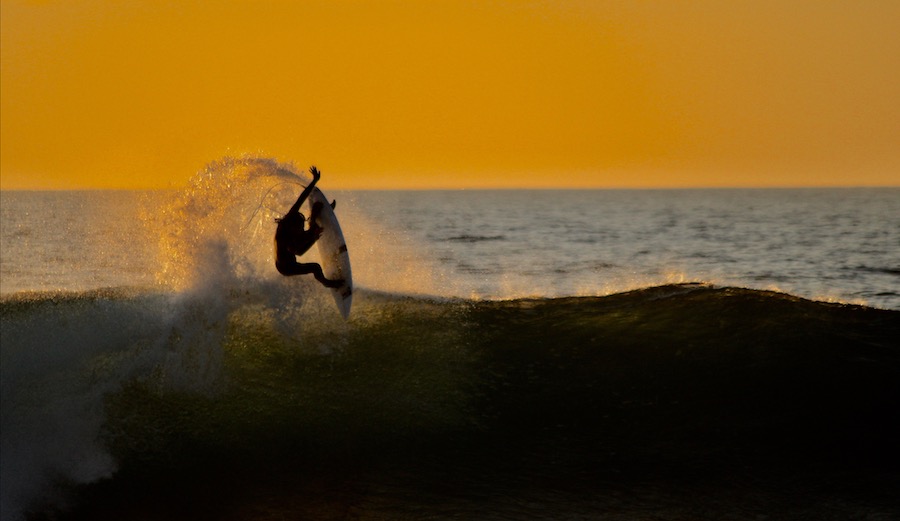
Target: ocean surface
x=593 y=354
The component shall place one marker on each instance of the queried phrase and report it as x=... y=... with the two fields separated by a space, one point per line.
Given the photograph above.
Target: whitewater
x=510 y=354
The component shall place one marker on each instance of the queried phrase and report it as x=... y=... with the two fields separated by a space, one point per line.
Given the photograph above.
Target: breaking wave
x=123 y=404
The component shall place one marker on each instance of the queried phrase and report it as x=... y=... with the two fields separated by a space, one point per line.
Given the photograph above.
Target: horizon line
x=491 y=188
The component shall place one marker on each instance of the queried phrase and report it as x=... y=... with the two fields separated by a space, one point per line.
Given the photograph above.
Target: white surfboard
x=333 y=252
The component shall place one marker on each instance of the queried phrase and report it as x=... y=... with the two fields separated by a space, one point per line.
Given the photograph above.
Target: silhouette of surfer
x=293 y=238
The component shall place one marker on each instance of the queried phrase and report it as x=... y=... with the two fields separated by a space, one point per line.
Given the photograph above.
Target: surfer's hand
x=315 y=172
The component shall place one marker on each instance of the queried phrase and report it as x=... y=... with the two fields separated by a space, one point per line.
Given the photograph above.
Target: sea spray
x=62 y=358
x=59 y=360
x=232 y=205
x=223 y=222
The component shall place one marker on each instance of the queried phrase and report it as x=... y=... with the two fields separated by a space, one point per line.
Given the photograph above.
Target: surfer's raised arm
x=306 y=191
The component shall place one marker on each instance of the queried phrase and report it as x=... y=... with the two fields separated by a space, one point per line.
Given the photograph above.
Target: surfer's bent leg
x=289 y=269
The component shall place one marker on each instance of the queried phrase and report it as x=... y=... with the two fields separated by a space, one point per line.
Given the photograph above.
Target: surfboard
x=335 y=258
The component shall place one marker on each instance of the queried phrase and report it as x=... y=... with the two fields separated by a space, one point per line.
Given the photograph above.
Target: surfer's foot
x=333 y=283
x=333 y=203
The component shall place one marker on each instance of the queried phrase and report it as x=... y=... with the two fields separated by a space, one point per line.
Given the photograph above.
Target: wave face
x=678 y=401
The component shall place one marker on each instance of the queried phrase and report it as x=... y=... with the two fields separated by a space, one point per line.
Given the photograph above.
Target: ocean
x=553 y=354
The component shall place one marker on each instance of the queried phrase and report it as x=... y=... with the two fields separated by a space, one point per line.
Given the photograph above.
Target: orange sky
x=420 y=94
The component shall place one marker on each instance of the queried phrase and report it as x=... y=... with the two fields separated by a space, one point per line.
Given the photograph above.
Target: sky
x=453 y=94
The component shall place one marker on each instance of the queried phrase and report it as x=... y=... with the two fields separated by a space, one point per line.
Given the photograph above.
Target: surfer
x=293 y=238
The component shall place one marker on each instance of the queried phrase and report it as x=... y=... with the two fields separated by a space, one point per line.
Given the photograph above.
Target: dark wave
x=877 y=269
x=476 y=238
x=681 y=401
